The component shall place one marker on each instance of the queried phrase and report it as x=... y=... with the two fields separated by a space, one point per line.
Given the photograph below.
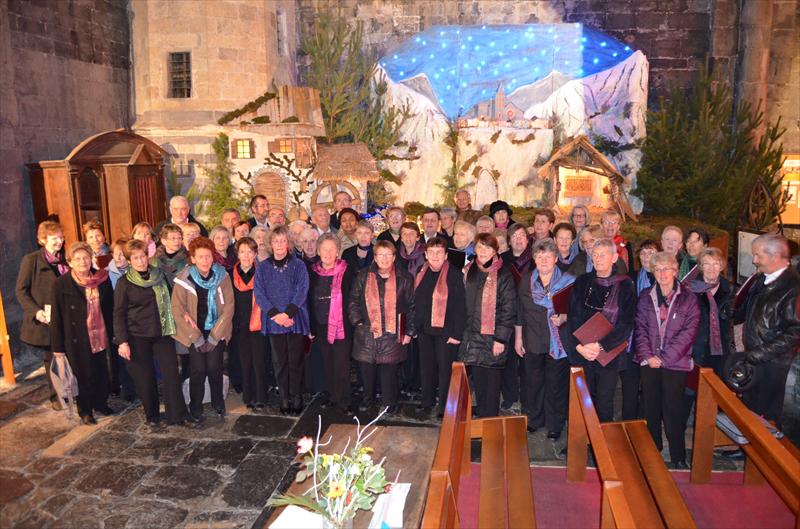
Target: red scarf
x=622 y=251
x=336 y=311
x=439 y=306
x=95 y=324
x=489 y=294
x=372 y=298
x=241 y=286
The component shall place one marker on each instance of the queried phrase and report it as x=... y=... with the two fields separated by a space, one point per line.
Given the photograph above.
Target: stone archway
x=485 y=189
x=273 y=186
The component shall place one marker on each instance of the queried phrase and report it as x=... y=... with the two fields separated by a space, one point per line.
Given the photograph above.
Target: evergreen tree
x=219 y=193
x=700 y=160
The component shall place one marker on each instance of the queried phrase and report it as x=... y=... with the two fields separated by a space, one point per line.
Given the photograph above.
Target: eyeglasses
x=662 y=270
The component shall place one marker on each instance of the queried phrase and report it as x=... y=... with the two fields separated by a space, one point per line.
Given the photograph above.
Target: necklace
x=589 y=294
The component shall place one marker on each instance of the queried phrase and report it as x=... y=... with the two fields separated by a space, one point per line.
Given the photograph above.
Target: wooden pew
x=641 y=492
x=506 y=494
x=767 y=458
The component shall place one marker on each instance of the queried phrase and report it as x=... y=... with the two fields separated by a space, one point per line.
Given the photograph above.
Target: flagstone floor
x=56 y=473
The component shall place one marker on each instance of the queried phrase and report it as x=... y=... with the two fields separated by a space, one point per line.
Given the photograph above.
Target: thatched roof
x=345 y=161
x=580 y=154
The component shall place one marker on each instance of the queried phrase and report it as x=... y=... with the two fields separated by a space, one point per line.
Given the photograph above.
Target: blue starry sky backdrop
x=465 y=64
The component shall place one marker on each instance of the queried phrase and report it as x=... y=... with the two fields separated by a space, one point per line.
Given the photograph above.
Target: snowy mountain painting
x=505 y=89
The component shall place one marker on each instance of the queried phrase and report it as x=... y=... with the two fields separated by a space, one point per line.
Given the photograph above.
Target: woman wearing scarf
x=381 y=304
x=247 y=342
x=80 y=327
x=143 y=329
x=411 y=252
x=564 y=237
x=580 y=218
x=203 y=306
x=538 y=344
x=491 y=312
x=330 y=280
x=361 y=255
x=667 y=320
x=260 y=234
x=611 y=221
x=95 y=237
x=695 y=241
x=439 y=308
x=281 y=290
x=501 y=214
x=715 y=296
x=171 y=256
x=143 y=231
x=224 y=254
x=614 y=295
x=38 y=272
x=582 y=263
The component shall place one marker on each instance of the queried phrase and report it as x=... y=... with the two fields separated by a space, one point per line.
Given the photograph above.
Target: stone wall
x=63 y=77
x=675 y=35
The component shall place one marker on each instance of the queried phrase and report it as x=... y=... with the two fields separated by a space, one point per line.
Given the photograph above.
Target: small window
x=286 y=146
x=180 y=75
x=243 y=149
x=280 y=32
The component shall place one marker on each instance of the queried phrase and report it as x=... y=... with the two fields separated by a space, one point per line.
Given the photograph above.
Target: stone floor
x=56 y=473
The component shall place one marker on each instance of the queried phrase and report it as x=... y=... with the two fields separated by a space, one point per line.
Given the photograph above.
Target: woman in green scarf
x=143 y=329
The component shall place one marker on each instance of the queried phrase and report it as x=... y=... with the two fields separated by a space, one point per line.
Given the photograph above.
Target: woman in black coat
x=491 y=300
x=330 y=280
x=143 y=330
x=381 y=308
x=247 y=342
x=36 y=281
x=81 y=328
x=439 y=308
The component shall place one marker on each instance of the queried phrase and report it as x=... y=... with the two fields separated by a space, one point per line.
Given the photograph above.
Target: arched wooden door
x=325 y=191
x=273 y=186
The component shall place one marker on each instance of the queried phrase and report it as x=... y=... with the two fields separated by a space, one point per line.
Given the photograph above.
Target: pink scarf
x=489 y=294
x=373 y=301
x=95 y=324
x=55 y=259
x=336 y=311
x=439 y=306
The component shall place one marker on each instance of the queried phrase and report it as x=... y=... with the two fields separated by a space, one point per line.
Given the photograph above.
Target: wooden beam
x=5 y=347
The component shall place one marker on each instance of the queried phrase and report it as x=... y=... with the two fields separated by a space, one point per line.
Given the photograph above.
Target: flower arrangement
x=342 y=483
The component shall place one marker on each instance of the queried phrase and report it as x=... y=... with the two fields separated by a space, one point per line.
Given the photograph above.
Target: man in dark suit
x=341 y=200
x=430 y=227
x=180 y=214
x=259 y=207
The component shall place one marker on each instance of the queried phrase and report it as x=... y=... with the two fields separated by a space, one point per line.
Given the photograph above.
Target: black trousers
x=91 y=371
x=287 y=361
x=547 y=380
x=140 y=366
x=513 y=379
x=250 y=348
x=602 y=383
x=436 y=358
x=390 y=390
x=336 y=362
x=47 y=357
x=410 y=368
x=766 y=399
x=487 y=389
x=120 y=380
x=202 y=365
x=663 y=402
x=630 y=378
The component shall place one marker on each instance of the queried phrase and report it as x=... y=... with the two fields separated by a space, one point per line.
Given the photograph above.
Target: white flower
x=305 y=445
x=366 y=458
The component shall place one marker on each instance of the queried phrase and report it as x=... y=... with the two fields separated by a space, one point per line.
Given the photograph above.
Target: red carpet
x=724 y=503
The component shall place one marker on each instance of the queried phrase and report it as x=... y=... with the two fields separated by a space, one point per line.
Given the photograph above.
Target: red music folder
x=595 y=329
x=561 y=300
x=401 y=327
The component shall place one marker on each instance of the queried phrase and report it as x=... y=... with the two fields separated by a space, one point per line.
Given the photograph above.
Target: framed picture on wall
x=744 y=255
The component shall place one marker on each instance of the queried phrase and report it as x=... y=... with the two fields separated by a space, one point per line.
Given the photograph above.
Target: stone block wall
x=63 y=76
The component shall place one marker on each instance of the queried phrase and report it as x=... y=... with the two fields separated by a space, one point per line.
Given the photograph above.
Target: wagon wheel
x=762 y=208
x=329 y=189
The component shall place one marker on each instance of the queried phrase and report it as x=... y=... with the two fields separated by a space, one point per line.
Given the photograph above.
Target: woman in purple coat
x=667 y=321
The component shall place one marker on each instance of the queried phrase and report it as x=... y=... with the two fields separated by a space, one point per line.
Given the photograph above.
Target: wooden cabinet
x=116 y=178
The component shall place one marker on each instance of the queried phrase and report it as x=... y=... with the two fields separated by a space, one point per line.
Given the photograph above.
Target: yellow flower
x=326 y=460
x=336 y=489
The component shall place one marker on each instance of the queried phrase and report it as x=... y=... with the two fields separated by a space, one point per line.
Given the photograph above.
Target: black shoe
x=259 y=405
x=105 y=410
x=365 y=405
x=506 y=405
x=88 y=419
x=237 y=389
x=424 y=410
x=440 y=414
x=679 y=465
x=220 y=411
x=553 y=435
x=285 y=408
x=153 y=424
x=392 y=410
x=532 y=429
x=197 y=419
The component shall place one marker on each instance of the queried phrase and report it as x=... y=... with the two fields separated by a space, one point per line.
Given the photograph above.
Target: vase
x=327 y=523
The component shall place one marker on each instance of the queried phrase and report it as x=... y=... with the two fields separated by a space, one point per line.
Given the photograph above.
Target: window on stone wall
x=280 y=32
x=180 y=74
x=243 y=149
x=285 y=145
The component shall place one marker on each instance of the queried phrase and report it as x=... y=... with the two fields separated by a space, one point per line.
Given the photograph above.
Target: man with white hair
x=180 y=214
x=464 y=207
x=463 y=250
x=771 y=324
x=322 y=220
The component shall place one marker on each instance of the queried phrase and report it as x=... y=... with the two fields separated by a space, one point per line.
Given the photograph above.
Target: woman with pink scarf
x=491 y=312
x=329 y=289
x=80 y=328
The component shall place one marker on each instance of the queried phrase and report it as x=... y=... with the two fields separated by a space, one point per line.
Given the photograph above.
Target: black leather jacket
x=771 y=320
